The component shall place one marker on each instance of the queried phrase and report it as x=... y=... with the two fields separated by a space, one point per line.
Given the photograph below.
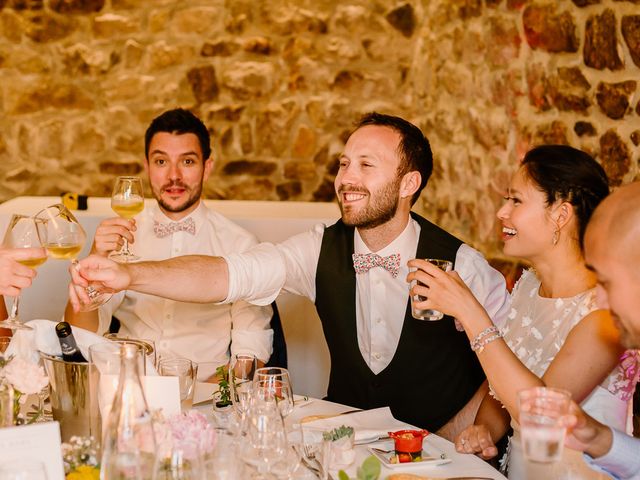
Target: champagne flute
x=127 y=200
x=65 y=238
x=22 y=232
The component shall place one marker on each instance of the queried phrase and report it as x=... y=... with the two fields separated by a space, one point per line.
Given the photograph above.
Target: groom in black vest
x=355 y=272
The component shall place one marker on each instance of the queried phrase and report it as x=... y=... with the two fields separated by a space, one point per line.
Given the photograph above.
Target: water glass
x=223 y=463
x=429 y=313
x=180 y=461
x=541 y=409
x=187 y=372
x=241 y=375
x=274 y=383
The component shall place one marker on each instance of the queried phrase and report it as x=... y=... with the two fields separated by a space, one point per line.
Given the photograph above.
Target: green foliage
x=222 y=396
x=369 y=470
x=338 y=433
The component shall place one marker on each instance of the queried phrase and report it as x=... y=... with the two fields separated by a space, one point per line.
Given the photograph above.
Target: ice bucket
x=69 y=395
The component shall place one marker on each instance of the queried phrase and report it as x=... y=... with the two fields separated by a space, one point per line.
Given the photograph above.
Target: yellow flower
x=84 y=472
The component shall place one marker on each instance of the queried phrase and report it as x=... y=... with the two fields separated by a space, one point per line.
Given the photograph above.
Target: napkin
x=369 y=425
x=43 y=338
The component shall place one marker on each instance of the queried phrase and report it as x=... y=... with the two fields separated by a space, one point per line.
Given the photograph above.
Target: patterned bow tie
x=363 y=262
x=163 y=229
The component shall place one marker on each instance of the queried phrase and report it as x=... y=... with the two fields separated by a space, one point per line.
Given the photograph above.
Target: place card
x=30 y=444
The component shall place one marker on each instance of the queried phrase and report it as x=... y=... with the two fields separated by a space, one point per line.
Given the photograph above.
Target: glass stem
x=14 y=308
x=125 y=247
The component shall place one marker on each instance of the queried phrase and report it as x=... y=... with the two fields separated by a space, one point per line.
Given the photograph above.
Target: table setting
x=268 y=432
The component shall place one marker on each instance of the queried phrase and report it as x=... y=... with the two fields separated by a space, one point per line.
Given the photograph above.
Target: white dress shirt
x=261 y=273
x=623 y=459
x=205 y=333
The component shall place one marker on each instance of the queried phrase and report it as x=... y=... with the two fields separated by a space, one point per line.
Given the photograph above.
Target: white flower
x=26 y=377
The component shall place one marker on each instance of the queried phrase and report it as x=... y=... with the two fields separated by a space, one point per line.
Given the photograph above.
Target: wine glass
x=274 y=383
x=127 y=200
x=65 y=238
x=241 y=375
x=22 y=232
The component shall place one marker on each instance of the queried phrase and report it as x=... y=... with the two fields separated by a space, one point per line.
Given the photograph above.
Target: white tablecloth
x=461 y=465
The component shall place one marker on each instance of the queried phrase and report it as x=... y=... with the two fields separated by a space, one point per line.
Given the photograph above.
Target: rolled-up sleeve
x=487 y=284
x=622 y=460
x=261 y=273
x=251 y=333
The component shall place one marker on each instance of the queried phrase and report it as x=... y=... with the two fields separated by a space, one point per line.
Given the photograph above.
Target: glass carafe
x=128 y=447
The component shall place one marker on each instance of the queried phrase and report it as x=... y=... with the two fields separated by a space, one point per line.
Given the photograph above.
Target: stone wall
x=280 y=83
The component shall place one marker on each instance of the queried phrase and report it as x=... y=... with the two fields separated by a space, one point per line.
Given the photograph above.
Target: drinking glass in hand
x=22 y=232
x=127 y=201
x=428 y=314
x=65 y=238
x=540 y=410
x=274 y=383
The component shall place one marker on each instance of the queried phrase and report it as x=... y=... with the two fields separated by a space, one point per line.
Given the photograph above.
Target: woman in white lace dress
x=556 y=335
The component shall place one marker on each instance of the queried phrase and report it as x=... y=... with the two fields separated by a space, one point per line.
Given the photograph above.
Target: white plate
x=435 y=456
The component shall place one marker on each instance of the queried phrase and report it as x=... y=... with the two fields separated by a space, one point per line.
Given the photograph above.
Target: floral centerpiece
x=26 y=378
x=80 y=458
x=183 y=439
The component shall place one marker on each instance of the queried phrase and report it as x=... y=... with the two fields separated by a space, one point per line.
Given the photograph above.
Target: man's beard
x=380 y=209
x=193 y=198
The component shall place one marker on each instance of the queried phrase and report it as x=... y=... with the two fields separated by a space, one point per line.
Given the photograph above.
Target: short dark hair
x=178 y=122
x=414 y=149
x=570 y=175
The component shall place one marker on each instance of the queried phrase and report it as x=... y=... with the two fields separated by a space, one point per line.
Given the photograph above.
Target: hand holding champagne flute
x=127 y=201
x=23 y=233
x=65 y=238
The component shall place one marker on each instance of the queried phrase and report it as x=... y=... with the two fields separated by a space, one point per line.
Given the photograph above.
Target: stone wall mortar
x=279 y=83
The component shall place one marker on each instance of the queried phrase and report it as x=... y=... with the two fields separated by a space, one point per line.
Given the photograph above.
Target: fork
x=310 y=460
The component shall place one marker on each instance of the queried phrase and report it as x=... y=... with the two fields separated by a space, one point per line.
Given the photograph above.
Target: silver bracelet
x=479 y=346
x=475 y=343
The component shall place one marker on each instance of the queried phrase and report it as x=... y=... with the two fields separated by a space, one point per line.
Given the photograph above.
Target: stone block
x=246 y=138
x=196 y=20
x=76 y=6
x=305 y=171
x=12 y=25
x=86 y=139
x=568 y=90
x=252 y=189
x=219 y=48
x=585 y=129
x=635 y=138
x=162 y=56
x=548 y=30
x=304 y=143
x=631 y=34
x=469 y=9
x=50 y=141
x=614 y=156
x=600 y=49
x=24 y=4
x=273 y=126
x=289 y=190
x=204 y=84
x=325 y=192
x=224 y=113
x=586 y=3
x=82 y=59
x=258 y=168
x=46 y=94
x=537 y=86
x=502 y=41
x=133 y=53
x=247 y=80
x=403 y=19
x=258 y=45
x=127 y=86
x=111 y=25
x=614 y=98
x=43 y=27
x=551 y=133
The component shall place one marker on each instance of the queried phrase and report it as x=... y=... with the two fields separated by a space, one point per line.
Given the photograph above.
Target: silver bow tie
x=163 y=229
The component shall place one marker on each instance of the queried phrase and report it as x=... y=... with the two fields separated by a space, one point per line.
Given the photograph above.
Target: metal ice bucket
x=69 y=395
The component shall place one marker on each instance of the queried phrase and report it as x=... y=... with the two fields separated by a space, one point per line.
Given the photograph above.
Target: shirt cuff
x=257 y=343
x=623 y=458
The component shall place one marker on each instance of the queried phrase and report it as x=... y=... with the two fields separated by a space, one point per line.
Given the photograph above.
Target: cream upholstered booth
x=269 y=221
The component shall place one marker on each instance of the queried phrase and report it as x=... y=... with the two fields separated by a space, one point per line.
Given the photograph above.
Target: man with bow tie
x=178 y=161
x=355 y=271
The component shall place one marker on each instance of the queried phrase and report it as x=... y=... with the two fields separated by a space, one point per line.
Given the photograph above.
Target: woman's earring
x=556 y=237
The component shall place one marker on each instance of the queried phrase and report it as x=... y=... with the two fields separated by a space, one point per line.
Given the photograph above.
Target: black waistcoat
x=433 y=372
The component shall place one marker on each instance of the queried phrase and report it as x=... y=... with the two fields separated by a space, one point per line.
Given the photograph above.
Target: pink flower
x=189 y=432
